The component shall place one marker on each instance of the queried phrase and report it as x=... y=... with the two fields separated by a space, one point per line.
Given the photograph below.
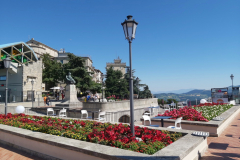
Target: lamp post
x=129 y=28
x=32 y=91
x=128 y=72
x=137 y=79
x=103 y=76
x=7 y=64
x=232 y=84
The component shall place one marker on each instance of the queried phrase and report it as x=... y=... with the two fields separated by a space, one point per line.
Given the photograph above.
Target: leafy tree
x=161 y=101
x=115 y=84
x=79 y=74
x=95 y=87
x=136 y=85
x=169 y=101
x=52 y=71
x=146 y=92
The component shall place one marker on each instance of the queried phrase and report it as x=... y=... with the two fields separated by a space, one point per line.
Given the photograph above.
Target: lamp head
x=32 y=81
x=7 y=62
x=129 y=28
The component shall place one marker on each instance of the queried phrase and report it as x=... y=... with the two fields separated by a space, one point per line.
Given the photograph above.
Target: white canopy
x=61 y=88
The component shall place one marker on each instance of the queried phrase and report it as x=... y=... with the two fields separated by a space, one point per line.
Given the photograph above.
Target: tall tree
x=146 y=92
x=116 y=84
x=136 y=85
x=79 y=74
x=52 y=71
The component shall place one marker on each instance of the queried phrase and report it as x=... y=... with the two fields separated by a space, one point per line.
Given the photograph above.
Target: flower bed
x=148 y=141
x=198 y=113
x=211 y=111
x=186 y=113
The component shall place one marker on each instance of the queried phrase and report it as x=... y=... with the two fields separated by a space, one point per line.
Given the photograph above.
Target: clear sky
x=179 y=44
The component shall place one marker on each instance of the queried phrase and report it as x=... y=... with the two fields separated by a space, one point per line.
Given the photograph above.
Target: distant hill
x=190 y=95
x=174 y=91
x=199 y=91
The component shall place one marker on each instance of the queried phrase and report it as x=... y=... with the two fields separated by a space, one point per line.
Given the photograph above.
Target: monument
x=70 y=100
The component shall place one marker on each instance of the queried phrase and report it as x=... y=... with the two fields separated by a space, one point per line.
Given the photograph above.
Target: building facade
x=117 y=65
x=40 y=48
x=25 y=68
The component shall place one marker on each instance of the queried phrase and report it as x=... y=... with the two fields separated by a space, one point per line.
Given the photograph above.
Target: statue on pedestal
x=69 y=78
x=70 y=99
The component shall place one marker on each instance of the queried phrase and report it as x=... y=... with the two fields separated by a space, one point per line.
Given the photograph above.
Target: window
x=2 y=78
x=120 y=67
x=61 y=61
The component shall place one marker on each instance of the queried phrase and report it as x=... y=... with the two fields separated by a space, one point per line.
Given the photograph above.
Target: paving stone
x=227 y=145
x=10 y=153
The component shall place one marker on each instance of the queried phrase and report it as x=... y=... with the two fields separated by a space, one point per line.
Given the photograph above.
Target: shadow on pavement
x=222 y=146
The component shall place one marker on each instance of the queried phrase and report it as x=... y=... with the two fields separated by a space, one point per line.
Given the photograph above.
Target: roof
x=41 y=44
x=3 y=46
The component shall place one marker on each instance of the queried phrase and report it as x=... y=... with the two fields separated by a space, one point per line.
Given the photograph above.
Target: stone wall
x=32 y=71
x=114 y=110
x=138 y=113
x=120 y=105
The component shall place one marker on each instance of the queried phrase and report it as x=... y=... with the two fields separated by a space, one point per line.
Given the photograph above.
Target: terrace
x=31 y=140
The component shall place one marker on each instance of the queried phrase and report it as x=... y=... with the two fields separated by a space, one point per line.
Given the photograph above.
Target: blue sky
x=179 y=44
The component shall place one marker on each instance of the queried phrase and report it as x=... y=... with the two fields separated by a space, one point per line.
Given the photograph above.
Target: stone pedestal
x=70 y=100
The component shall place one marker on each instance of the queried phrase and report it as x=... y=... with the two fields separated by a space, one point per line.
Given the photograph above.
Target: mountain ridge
x=190 y=95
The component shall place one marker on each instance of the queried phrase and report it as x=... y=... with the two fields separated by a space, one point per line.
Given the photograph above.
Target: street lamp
x=232 y=83
x=103 y=76
x=7 y=64
x=32 y=91
x=137 y=79
x=129 y=28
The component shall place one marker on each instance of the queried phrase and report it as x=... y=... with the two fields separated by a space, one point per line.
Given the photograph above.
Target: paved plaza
x=10 y=153
x=224 y=147
x=227 y=145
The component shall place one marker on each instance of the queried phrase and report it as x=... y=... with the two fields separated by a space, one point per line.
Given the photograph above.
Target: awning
x=18 y=52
